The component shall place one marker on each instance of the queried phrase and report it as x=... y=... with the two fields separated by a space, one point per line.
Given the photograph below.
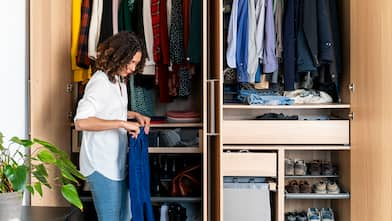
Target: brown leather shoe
x=304 y=187
x=292 y=187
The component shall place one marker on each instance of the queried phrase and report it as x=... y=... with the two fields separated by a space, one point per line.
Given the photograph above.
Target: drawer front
x=285 y=132
x=249 y=164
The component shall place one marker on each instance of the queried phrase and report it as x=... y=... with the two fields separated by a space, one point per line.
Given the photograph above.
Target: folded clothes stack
x=183 y=117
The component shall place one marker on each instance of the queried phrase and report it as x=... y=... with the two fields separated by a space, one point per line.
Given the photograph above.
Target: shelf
x=164 y=125
x=286 y=147
x=169 y=199
x=314 y=196
x=174 y=150
x=318 y=147
x=86 y=198
x=311 y=177
x=294 y=106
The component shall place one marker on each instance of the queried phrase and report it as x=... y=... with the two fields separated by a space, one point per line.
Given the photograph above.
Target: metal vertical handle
x=211 y=107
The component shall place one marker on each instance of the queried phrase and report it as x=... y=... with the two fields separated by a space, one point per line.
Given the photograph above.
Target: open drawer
x=249 y=164
x=285 y=132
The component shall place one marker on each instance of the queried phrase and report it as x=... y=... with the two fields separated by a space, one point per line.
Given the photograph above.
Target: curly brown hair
x=115 y=53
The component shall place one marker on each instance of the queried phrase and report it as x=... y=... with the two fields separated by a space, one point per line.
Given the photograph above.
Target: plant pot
x=11 y=206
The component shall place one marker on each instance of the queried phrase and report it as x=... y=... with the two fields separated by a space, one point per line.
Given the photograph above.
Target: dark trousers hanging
x=139 y=178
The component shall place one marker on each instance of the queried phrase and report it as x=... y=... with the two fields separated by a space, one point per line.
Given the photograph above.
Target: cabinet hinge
x=69 y=87
x=70 y=116
x=351 y=87
x=351 y=115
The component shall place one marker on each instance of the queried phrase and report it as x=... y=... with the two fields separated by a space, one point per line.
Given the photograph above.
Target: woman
x=102 y=116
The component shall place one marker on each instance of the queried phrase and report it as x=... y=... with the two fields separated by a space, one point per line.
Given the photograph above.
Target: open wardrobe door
x=371 y=178
x=50 y=74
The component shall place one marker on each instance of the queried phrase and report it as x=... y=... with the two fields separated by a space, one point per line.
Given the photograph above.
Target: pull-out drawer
x=249 y=164
x=285 y=132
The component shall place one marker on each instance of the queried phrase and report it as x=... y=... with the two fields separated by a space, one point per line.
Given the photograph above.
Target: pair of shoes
x=322 y=187
x=289 y=167
x=304 y=187
x=292 y=187
x=332 y=187
x=315 y=168
x=327 y=214
x=313 y=214
x=327 y=168
x=301 y=216
x=300 y=168
x=293 y=216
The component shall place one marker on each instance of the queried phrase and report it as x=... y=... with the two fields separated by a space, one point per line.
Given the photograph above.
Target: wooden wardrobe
x=358 y=144
x=52 y=103
x=366 y=161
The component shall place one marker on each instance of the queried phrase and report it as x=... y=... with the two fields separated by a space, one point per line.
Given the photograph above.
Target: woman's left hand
x=144 y=121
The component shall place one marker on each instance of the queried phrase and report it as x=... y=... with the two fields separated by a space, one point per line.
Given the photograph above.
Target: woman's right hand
x=133 y=128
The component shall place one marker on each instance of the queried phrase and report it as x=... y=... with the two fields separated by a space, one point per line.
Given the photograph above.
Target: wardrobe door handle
x=211 y=127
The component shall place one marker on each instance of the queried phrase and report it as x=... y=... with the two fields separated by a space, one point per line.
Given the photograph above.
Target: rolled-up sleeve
x=92 y=101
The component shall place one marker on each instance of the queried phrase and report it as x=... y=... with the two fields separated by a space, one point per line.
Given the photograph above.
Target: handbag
x=187 y=182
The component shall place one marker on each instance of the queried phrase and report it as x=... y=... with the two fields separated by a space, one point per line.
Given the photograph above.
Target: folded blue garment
x=266 y=98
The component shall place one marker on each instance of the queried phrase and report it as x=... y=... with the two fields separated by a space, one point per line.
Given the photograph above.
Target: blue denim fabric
x=242 y=42
x=110 y=198
x=267 y=98
x=139 y=178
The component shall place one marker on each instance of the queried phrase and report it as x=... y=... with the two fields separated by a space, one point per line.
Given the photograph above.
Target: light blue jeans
x=111 y=198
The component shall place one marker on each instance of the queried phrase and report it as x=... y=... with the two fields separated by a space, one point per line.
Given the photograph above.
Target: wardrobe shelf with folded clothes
x=294 y=106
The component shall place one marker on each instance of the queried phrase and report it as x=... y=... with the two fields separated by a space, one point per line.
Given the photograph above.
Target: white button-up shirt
x=104 y=151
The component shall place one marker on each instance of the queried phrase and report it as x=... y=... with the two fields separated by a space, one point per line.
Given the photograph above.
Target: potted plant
x=15 y=167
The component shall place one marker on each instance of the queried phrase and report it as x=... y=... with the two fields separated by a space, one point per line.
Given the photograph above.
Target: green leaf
x=30 y=189
x=46 y=157
x=71 y=195
x=70 y=167
x=17 y=176
x=1 y=141
x=40 y=168
x=51 y=147
x=38 y=188
x=26 y=143
x=41 y=174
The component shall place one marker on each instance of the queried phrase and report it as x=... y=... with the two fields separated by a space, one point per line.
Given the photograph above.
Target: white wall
x=13 y=68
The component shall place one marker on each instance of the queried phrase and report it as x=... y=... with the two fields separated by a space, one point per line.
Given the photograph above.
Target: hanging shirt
x=125 y=16
x=270 y=64
x=232 y=36
x=149 y=68
x=115 y=7
x=168 y=12
x=279 y=9
x=107 y=21
x=95 y=28
x=289 y=45
x=103 y=151
x=253 y=60
x=78 y=47
x=260 y=19
x=242 y=42
x=195 y=32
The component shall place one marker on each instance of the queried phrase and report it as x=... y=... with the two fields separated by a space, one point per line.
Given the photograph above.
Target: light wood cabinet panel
x=371 y=164
x=50 y=72
x=285 y=132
